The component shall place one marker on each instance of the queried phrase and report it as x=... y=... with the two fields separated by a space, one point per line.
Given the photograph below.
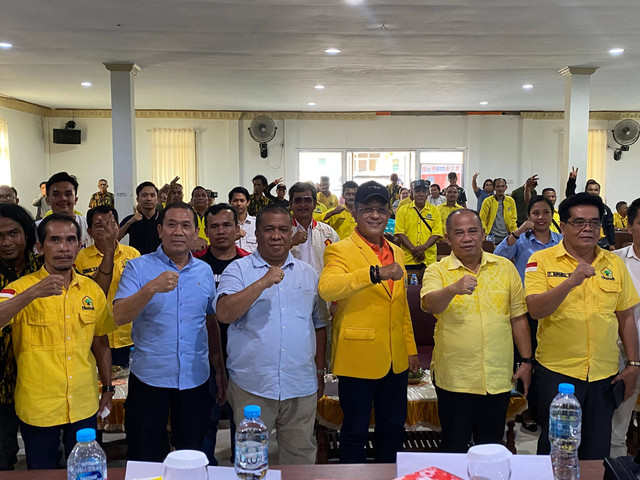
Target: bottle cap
x=85 y=435
x=252 y=411
x=566 y=388
x=186 y=460
x=488 y=453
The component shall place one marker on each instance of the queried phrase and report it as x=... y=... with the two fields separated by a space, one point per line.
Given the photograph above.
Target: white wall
x=496 y=146
x=27 y=151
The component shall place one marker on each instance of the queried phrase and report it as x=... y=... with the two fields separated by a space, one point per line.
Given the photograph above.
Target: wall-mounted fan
x=262 y=130
x=625 y=133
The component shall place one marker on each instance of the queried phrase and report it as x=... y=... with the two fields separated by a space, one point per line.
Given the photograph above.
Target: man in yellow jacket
x=373 y=342
x=499 y=213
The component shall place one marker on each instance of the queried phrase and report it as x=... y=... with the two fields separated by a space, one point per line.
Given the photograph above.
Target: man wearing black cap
x=373 y=343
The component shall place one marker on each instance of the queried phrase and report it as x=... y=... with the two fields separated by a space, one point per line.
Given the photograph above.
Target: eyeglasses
x=370 y=210
x=299 y=200
x=7 y=197
x=580 y=224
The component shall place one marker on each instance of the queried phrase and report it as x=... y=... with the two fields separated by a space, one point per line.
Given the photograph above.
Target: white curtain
x=597 y=159
x=173 y=153
x=5 y=163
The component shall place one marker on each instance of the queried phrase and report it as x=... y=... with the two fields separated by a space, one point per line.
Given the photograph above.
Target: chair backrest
x=423 y=323
x=622 y=238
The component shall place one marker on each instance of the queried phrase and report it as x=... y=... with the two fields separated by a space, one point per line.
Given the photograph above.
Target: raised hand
x=531 y=182
x=48 y=287
x=465 y=286
x=273 y=276
x=277 y=180
x=573 y=173
x=475 y=175
x=299 y=237
x=165 y=282
x=581 y=273
x=393 y=271
x=525 y=227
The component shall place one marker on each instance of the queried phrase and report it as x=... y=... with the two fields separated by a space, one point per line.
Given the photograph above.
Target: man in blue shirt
x=533 y=235
x=170 y=296
x=276 y=340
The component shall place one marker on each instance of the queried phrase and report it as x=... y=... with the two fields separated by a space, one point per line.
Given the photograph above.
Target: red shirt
x=384 y=254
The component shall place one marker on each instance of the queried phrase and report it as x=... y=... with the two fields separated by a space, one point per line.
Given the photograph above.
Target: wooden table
x=589 y=470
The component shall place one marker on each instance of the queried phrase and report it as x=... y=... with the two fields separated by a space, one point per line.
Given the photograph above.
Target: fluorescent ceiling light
x=527 y=86
x=319 y=87
x=86 y=84
x=6 y=45
x=332 y=51
x=484 y=103
x=616 y=51
x=312 y=104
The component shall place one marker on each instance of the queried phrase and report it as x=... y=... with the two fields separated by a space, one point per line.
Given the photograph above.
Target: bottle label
x=95 y=475
x=252 y=456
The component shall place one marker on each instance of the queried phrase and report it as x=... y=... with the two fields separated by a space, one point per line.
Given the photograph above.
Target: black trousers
x=42 y=444
x=147 y=413
x=464 y=416
x=8 y=436
x=598 y=405
x=388 y=395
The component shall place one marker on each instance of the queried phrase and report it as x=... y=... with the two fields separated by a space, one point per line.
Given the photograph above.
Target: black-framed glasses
x=299 y=200
x=370 y=210
x=581 y=224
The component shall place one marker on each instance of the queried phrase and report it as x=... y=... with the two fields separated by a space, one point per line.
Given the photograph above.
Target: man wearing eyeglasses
x=583 y=297
x=8 y=194
x=373 y=345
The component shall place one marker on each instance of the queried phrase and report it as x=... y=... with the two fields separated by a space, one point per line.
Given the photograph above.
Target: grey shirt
x=499 y=227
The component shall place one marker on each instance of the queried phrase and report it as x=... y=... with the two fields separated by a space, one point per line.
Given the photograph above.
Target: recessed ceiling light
x=332 y=51
x=6 y=45
x=527 y=86
x=312 y=104
x=86 y=84
x=484 y=103
x=319 y=87
x=616 y=51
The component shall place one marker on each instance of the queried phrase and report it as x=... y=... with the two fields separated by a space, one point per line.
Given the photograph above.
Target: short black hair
x=240 y=190
x=450 y=186
x=300 y=187
x=577 y=200
x=145 y=184
x=538 y=198
x=485 y=183
x=619 y=204
x=219 y=207
x=20 y=215
x=262 y=179
x=435 y=185
x=499 y=178
x=56 y=217
x=62 y=177
x=198 y=187
x=15 y=192
x=459 y=212
x=548 y=189
x=632 y=212
x=349 y=184
x=100 y=210
x=272 y=209
x=323 y=178
x=452 y=175
x=591 y=181
x=180 y=205
x=44 y=182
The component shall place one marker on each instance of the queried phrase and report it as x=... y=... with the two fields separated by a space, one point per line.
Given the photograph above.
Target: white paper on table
x=523 y=467
x=145 y=470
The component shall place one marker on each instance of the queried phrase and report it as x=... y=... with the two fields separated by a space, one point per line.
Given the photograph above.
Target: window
x=435 y=166
x=379 y=165
x=313 y=165
x=5 y=164
x=173 y=153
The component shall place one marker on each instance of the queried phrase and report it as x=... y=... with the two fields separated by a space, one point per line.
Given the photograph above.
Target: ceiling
x=268 y=55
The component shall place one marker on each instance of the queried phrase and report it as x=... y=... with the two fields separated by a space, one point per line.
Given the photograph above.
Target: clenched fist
x=165 y=282
x=299 y=237
x=581 y=273
x=273 y=276
x=49 y=286
x=465 y=286
x=392 y=271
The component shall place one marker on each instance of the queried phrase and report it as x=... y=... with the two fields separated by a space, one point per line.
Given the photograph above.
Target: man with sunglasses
x=583 y=297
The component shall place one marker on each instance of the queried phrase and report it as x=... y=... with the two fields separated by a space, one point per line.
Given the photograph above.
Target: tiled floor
x=115 y=446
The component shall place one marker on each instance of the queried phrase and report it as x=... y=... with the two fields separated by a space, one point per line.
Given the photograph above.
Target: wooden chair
x=623 y=239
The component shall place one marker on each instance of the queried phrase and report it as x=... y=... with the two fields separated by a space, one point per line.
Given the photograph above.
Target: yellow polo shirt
x=580 y=338
x=343 y=223
x=619 y=222
x=409 y=223
x=52 y=336
x=329 y=201
x=319 y=211
x=87 y=263
x=445 y=211
x=405 y=201
x=473 y=350
x=201 y=225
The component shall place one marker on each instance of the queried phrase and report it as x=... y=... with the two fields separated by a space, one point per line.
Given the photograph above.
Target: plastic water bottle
x=87 y=460
x=414 y=279
x=565 y=425
x=131 y=350
x=252 y=449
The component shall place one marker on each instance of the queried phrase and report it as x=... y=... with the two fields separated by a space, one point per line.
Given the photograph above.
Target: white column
x=123 y=126
x=576 y=122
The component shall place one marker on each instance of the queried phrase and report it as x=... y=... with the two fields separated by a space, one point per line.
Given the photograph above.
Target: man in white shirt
x=239 y=199
x=62 y=195
x=631 y=257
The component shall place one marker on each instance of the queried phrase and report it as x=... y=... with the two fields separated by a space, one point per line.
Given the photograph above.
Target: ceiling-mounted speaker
x=67 y=137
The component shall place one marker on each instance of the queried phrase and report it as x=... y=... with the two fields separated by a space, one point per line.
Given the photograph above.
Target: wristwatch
x=633 y=363
x=108 y=388
x=530 y=360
